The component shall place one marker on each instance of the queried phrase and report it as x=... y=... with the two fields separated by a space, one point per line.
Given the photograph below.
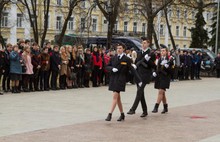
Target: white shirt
x=120 y=55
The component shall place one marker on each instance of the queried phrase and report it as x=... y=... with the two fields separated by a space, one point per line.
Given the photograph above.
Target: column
x=13 y=23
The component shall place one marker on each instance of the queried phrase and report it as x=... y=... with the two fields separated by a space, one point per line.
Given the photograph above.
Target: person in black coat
x=6 y=67
x=145 y=63
x=55 y=64
x=162 y=80
x=217 y=62
x=1 y=65
x=119 y=67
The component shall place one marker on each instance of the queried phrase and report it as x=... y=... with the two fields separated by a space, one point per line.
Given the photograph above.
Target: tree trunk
x=155 y=39
x=170 y=32
x=46 y=16
x=150 y=28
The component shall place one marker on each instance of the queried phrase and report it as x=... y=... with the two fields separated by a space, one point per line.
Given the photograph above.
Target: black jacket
x=162 y=80
x=217 y=62
x=55 y=61
x=7 y=61
x=144 y=67
x=118 y=79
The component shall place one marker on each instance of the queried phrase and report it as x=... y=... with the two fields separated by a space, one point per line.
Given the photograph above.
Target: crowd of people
x=27 y=67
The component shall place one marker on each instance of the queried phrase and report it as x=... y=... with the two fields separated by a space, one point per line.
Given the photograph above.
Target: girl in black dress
x=162 y=78
x=119 y=67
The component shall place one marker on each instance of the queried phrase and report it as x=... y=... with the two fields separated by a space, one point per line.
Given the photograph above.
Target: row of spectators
x=26 y=67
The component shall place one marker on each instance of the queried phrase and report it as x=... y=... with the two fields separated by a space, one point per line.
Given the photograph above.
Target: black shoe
x=155 y=110
x=122 y=117
x=109 y=117
x=165 y=109
x=131 y=112
x=54 y=89
x=144 y=114
x=1 y=93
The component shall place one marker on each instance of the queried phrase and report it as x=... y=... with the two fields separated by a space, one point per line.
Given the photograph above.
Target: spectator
x=6 y=74
x=55 y=63
x=217 y=62
x=97 y=62
x=88 y=67
x=26 y=56
x=1 y=65
x=44 y=72
x=80 y=60
x=15 y=68
x=64 y=66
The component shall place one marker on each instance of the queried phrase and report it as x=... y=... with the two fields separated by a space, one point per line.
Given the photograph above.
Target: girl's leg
x=120 y=104
x=114 y=102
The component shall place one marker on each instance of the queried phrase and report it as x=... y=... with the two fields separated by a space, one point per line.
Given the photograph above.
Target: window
x=125 y=26
x=105 y=21
x=83 y=24
x=19 y=20
x=184 y=31
x=144 y=27
x=177 y=30
x=184 y=46
x=193 y=15
x=161 y=30
x=4 y=19
x=83 y=4
x=116 y=26
x=170 y=12
x=135 y=9
x=48 y=22
x=135 y=27
x=58 y=23
x=169 y=46
x=94 y=25
x=126 y=7
x=177 y=46
x=185 y=14
x=59 y=2
x=178 y=13
x=71 y=23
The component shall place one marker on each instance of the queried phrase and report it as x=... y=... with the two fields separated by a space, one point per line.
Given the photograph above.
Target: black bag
x=24 y=69
x=72 y=76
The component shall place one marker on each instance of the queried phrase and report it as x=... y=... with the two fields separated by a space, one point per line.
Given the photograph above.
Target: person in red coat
x=97 y=66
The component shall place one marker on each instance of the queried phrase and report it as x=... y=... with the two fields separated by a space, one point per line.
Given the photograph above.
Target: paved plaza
x=77 y=115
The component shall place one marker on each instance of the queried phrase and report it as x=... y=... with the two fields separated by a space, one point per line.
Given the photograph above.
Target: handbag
x=24 y=69
x=72 y=76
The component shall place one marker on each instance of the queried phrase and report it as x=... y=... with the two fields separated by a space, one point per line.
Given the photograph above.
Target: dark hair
x=145 y=38
x=27 y=40
x=121 y=44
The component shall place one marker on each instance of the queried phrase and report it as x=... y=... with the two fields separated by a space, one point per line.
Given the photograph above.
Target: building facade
x=16 y=24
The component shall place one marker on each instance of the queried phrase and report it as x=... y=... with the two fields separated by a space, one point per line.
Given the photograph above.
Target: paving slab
x=28 y=112
x=191 y=123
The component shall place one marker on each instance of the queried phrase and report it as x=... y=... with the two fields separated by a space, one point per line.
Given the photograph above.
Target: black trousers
x=140 y=98
x=218 y=73
x=63 y=81
x=35 y=80
x=6 y=80
x=80 y=77
x=186 y=72
x=26 y=81
x=95 y=76
x=193 y=71
x=44 y=80
x=54 y=77
x=87 y=79
x=198 y=71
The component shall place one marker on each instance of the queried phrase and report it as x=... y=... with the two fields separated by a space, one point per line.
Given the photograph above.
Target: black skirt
x=14 y=76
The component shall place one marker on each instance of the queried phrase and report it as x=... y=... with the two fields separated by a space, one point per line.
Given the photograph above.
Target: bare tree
x=71 y=7
x=3 y=3
x=149 y=9
x=33 y=6
x=110 y=16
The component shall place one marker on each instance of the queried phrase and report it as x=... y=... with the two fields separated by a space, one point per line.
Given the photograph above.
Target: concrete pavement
x=78 y=115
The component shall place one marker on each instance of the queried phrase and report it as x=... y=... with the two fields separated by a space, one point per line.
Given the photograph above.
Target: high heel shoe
x=109 y=117
x=122 y=117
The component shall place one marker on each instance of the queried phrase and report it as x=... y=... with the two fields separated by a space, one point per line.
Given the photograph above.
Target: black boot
x=17 y=90
x=122 y=117
x=13 y=90
x=155 y=110
x=109 y=117
x=165 y=108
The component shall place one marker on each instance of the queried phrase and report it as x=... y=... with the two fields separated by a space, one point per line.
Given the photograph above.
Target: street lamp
x=109 y=10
